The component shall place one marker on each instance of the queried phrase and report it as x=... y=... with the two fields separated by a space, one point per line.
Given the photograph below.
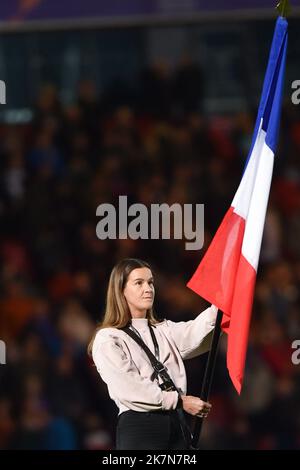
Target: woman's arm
x=124 y=380
x=193 y=337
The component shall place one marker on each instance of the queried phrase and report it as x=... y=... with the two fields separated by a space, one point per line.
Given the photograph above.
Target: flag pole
x=208 y=377
x=283 y=8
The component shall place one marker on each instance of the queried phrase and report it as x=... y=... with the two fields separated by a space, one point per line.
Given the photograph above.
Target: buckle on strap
x=167 y=387
x=166 y=384
x=159 y=368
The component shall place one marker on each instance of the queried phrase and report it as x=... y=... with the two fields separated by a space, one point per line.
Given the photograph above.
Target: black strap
x=167 y=384
x=156 y=347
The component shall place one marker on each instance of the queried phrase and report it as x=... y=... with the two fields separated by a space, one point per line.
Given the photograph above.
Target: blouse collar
x=139 y=323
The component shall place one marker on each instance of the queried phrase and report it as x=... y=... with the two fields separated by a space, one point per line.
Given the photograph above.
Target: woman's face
x=139 y=292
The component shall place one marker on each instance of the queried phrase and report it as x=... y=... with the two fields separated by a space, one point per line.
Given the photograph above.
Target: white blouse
x=126 y=368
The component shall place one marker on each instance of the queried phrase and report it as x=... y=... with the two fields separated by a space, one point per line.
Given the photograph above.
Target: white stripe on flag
x=242 y=199
x=258 y=207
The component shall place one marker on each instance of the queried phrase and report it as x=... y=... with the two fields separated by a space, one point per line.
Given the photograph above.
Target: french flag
x=227 y=273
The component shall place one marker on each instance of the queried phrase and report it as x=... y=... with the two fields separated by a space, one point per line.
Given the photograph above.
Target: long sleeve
x=124 y=381
x=193 y=337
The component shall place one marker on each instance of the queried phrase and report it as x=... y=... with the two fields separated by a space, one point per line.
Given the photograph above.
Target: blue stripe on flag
x=270 y=102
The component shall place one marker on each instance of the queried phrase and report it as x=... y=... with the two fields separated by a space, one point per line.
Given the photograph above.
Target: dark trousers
x=153 y=430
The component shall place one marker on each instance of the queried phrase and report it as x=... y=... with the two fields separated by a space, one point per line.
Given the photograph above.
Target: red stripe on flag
x=215 y=276
x=226 y=279
x=238 y=330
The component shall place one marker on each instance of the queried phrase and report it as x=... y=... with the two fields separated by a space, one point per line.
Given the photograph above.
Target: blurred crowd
x=156 y=146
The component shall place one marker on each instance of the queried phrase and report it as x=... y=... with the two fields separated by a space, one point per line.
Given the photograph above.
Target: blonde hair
x=117 y=313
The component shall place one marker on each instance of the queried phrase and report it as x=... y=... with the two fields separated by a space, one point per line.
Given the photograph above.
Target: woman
x=148 y=415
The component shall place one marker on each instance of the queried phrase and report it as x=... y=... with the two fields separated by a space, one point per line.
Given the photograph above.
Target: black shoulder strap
x=159 y=368
x=167 y=383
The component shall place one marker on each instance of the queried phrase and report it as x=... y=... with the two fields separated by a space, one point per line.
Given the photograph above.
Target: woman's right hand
x=195 y=406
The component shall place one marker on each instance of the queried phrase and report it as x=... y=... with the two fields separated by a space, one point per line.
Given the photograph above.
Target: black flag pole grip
x=208 y=377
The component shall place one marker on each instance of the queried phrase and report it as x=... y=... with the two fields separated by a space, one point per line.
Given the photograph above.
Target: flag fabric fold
x=227 y=273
